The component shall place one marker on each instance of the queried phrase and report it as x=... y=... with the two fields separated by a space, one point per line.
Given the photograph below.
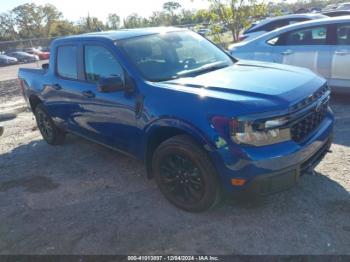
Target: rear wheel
x=185 y=174
x=50 y=132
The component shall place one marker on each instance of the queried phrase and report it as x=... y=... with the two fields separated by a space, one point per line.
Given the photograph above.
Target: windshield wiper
x=203 y=69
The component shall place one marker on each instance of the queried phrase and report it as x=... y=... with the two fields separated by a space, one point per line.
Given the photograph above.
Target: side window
x=343 y=34
x=99 y=62
x=67 y=62
x=276 y=24
x=309 y=36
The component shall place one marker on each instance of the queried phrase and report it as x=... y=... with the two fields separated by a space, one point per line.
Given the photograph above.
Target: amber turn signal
x=238 y=181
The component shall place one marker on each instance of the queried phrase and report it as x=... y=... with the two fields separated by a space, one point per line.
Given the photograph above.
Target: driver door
x=106 y=117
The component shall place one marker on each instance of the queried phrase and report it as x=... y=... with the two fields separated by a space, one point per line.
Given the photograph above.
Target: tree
x=159 y=19
x=236 y=14
x=171 y=8
x=50 y=15
x=62 y=28
x=187 y=16
x=134 y=21
x=204 y=15
x=7 y=27
x=29 y=20
x=90 y=24
x=113 y=21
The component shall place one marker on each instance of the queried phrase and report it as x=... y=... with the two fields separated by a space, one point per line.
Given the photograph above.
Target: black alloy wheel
x=50 y=132
x=182 y=178
x=185 y=174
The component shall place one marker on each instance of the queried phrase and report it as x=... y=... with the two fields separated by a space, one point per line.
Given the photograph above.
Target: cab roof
x=122 y=34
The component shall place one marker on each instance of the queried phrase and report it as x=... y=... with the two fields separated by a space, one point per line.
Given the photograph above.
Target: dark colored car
x=337 y=13
x=204 y=123
x=24 y=57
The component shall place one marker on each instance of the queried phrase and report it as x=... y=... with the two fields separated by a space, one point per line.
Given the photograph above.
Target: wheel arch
x=34 y=100
x=165 y=129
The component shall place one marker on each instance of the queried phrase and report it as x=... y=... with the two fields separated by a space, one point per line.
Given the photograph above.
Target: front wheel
x=50 y=132
x=185 y=174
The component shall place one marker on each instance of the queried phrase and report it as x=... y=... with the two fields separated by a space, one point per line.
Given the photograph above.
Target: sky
x=75 y=9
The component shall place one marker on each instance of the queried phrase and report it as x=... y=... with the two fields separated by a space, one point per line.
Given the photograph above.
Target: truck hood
x=280 y=85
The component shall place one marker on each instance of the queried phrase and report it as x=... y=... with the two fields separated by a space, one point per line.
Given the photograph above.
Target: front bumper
x=277 y=167
x=284 y=179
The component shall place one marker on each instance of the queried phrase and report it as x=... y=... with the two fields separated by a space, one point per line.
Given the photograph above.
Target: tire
x=49 y=131
x=185 y=175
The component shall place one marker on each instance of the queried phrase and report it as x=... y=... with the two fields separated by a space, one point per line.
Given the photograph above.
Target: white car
x=330 y=7
x=322 y=46
x=344 y=6
x=269 y=24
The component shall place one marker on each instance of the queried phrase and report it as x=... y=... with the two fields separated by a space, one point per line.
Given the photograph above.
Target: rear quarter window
x=343 y=34
x=67 y=62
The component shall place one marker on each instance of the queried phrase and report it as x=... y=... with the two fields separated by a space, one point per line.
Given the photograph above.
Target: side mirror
x=45 y=66
x=110 y=84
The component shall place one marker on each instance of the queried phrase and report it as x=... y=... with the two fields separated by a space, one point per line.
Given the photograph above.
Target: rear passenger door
x=340 y=57
x=308 y=47
x=61 y=93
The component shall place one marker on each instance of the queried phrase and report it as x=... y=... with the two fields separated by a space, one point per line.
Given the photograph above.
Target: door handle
x=342 y=52
x=56 y=87
x=88 y=94
x=287 y=52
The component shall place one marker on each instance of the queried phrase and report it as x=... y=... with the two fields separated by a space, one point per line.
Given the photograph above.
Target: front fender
x=182 y=125
x=203 y=139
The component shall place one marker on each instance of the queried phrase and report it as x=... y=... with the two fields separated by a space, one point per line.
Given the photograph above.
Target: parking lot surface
x=81 y=198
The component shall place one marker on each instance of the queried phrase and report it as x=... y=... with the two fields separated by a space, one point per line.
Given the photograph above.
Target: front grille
x=310 y=99
x=306 y=125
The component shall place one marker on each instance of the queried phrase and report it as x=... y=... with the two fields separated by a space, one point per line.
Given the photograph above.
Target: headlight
x=260 y=134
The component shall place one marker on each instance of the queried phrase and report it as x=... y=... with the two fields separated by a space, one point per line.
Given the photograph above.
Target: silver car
x=261 y=27
x=322 y=45
x=7 y=60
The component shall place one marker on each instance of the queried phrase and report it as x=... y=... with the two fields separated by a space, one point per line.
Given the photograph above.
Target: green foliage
x=7 y=27
x=113 y=21
x=90 y=24
x=62 y=27
x=51 y=15
x=171 y=7
x=44 y=21
x=29 y=19
x=237 y=14
x=134 y=21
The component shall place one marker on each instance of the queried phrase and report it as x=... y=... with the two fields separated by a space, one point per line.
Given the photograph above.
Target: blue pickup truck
x=205 y=124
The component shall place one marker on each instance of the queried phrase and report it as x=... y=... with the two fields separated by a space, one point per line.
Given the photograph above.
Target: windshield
x=162 y=57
